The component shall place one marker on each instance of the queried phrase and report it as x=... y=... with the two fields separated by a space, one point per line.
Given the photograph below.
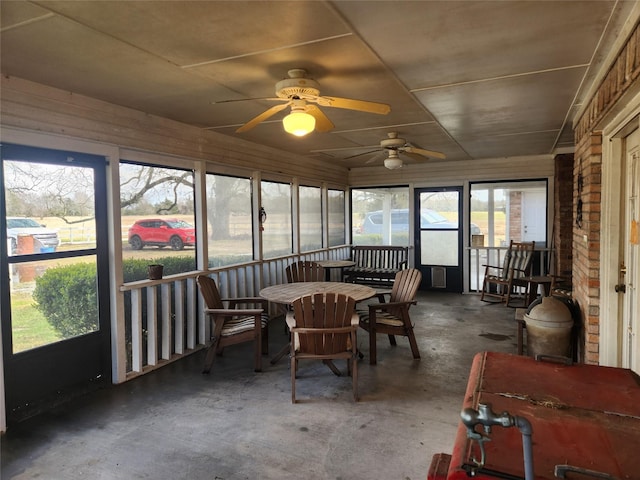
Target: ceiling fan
x=393 y=147
x=301 y=93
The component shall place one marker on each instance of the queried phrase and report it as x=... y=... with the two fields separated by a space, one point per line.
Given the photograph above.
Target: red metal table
x=585 y=416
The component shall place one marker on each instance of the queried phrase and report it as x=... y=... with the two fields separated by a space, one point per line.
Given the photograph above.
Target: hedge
x=66 y=295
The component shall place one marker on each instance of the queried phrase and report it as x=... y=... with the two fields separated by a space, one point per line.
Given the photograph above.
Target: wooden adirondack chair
x=392 y=318
x=305 y=271
x=323 y=327
x=232 y=325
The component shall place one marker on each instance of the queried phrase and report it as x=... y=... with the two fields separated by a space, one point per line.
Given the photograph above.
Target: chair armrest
x=350 y=328
x=491 y=266
x=233 y=311
x=380 y=295
x=495 y=271
x=521 y=273
x=245 y=299
x=234 y=301
x=386 y=306
x=290 y=320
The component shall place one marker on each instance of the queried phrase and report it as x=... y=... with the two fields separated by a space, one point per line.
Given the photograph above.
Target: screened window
x=229 y=220
x=505 y=211
x=277 y=238
x=336 y=218
x=380 y=216
x=158 y=220
x=310 y=202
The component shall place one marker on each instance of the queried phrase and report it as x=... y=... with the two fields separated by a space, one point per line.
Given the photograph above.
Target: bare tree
x=50 y=190
x=167 y=184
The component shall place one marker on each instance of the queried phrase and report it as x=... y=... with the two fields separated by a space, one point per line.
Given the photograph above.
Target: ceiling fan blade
x=323 y=124
x=350 y=104
x=361 y=154
x=271 y=99
x=376 y=158
x=414 y=156
x=262 y=117
x=342 y=149
x=424 y=153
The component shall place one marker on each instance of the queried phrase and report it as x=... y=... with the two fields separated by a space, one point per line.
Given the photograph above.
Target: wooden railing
x=164 y=320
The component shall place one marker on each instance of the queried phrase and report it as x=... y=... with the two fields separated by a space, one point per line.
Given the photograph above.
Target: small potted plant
x=155 y=271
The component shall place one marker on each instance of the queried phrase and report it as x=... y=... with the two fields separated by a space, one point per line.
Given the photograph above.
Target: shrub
x=136 y=269
x=66 y=296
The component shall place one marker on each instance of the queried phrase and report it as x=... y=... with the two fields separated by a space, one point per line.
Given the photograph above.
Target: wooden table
x=532 y=289
x=330 y=264
x=522 y=324
x=287 y=293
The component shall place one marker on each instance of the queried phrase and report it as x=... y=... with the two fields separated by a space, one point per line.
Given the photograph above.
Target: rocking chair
x=500 y=283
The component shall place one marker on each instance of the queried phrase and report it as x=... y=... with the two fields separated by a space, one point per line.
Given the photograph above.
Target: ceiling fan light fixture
x=393 y=163
x=299 y=123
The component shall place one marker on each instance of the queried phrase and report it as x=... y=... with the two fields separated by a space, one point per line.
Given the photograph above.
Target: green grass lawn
x=30 y=328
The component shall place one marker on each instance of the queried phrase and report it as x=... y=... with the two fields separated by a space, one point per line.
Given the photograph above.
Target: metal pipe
x=487 y=418
x=527 y=446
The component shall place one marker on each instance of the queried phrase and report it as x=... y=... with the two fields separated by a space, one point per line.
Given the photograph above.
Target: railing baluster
x=152 y=325
x=165 y=329
x=136 y=330
x=178 y=334
x=192 y=316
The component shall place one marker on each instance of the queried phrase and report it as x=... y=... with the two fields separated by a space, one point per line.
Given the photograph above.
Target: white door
x=534 y=215
x=630 y=253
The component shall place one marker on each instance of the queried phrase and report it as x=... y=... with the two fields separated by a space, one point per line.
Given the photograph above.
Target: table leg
x=521 y=326
x=286 y=348
x=532 y=293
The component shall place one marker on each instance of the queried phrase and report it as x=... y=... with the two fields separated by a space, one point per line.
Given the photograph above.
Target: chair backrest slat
x=405 y=286
x=305 y=271
x=520 y=256
x=323 y=311
x=209 y=291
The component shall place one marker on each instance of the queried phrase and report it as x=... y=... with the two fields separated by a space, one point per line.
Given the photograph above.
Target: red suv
x=160 y=232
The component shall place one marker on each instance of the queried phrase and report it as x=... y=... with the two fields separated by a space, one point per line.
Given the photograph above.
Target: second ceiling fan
x=302 y=94
x=393 y=146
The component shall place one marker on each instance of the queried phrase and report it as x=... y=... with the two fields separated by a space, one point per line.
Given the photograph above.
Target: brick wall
x=586 y=241
x=515 y=216
x=563 y=217
x=587 y=170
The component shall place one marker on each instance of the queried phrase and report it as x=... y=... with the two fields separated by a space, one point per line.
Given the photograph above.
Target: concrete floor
x=176 y=423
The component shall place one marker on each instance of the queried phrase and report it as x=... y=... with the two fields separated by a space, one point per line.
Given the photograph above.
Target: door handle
x=620 y=288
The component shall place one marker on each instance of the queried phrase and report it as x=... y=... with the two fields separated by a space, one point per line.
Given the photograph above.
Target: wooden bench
x=376 y=265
